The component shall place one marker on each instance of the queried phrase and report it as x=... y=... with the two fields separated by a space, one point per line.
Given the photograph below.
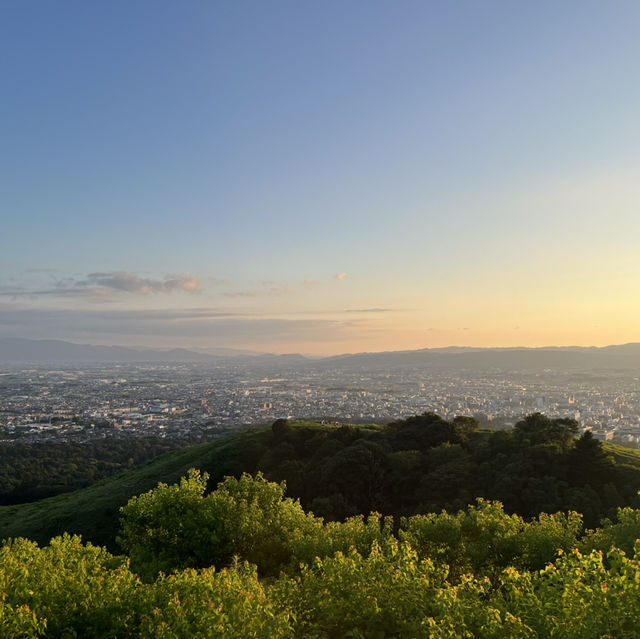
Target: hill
x=623 y=357
x=17 y=350
x=422 y=464
x=50 y=351
x=93 y=512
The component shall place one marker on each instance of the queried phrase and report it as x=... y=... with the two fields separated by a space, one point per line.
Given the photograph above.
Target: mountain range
x=625 y=356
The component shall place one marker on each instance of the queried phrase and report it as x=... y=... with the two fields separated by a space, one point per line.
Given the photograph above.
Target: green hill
x=422 y=464
x=93 y=512
x=622 y=455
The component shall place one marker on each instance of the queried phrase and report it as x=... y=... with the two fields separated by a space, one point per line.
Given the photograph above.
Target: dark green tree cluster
x=33 y=471
x=425 y=463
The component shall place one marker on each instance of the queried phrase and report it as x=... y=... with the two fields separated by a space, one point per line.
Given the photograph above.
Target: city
x=195 y=401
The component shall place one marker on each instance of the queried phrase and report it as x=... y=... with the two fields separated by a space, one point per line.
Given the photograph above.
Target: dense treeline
x=32 y=471
x=244 y=561
x=425 y=463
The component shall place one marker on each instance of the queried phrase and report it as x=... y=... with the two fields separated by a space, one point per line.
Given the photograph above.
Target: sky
x=321 y=177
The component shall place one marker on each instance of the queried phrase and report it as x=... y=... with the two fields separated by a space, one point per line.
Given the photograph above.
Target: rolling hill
x=406 y=467
x=93 y=511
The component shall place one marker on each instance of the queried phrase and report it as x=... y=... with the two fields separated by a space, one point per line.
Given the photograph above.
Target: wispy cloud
x=11 y=290
x=211 y=325
x=132 y=283
x=105 y=284
x=60 y=289
x=340 y=276
x=270 y=289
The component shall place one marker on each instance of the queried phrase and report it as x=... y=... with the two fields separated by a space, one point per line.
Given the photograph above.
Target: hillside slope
x=422 y=464
x=93 y=512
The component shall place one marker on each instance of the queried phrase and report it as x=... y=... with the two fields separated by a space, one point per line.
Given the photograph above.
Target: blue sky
x=321 y=177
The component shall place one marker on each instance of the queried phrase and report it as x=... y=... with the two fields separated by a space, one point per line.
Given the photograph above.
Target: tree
x=464 y=427
x=421 y=432
x=175 y=527
x=280 y=428
x=589 y=462
x=540 y=429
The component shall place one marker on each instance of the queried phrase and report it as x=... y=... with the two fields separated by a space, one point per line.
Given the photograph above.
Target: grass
x=93 y=512
x=622 y=455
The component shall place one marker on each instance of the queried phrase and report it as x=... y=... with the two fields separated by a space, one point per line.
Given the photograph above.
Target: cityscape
x=197 y=401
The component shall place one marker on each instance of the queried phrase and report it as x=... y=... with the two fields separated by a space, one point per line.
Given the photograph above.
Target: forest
x=419 y=528
x=29 y=472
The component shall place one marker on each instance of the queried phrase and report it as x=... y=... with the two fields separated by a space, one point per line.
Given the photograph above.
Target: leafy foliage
x=484 y=540
x=230 y=603
x=64 y=587
x=479 y=573
x=177 y=526
x=390 y=593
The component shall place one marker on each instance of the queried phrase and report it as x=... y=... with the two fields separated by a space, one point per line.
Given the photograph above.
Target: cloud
x=210 y=325
x=272 y=291
x=15 y=314
x=12 y=290
x=340 y=276
x=104 y=285
x=132 y=283
x=310 y=283
x=61 y=289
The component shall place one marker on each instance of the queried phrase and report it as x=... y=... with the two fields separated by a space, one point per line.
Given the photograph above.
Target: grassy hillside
x=422 y=464
x=622 y=455
x=91 y=512
x=30 y=471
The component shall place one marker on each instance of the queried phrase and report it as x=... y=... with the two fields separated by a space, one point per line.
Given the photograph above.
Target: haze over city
x=320 y=178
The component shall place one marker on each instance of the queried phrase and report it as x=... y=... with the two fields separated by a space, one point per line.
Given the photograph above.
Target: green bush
x=175 y=527
x=70 y=588
x=477 y=574
x=206 y=603
x=390 y=593
x=622 y=534
x=484 y=539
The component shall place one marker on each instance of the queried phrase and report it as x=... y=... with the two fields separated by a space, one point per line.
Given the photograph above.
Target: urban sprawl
x=192 y=400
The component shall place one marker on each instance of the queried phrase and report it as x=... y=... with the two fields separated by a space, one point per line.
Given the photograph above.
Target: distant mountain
x=285 y=358
x=50 y=351
x=625 y=356
x=17 y=350
x=227 y=352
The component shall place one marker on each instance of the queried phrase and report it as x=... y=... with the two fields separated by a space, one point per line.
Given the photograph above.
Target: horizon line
x=247 y=352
